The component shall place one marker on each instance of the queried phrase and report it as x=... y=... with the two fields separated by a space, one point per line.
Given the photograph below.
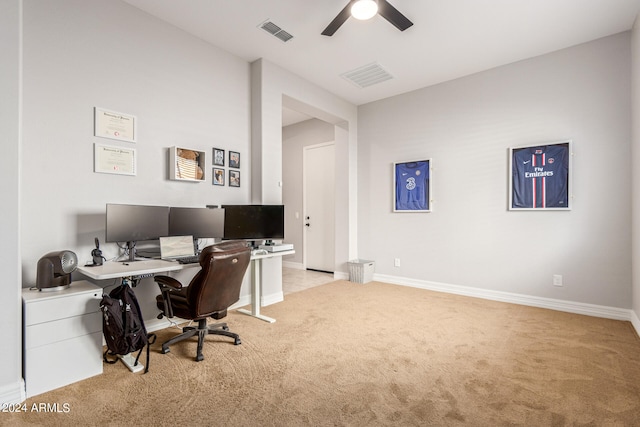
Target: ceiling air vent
x=367 y=75
x=275 y=31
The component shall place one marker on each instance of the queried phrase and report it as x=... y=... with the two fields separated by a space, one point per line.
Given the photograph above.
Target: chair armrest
x=167 y=286
x=168 y=283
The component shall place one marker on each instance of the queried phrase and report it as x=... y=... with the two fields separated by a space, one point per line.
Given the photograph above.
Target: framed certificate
x=115 y=160
x=114 y=125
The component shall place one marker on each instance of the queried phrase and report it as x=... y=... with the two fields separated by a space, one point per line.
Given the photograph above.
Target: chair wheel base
x=165 y=350
x=237 y=341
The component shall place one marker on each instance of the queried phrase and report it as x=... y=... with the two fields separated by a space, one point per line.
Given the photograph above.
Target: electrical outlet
x=396 y=262
x=557 y=280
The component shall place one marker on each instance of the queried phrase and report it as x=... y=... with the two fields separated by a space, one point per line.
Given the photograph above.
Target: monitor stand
x=131 y=249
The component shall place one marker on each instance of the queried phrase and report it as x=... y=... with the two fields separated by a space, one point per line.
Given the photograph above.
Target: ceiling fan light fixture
x=364 y=9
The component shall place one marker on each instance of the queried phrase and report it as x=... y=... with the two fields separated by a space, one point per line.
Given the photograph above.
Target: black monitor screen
x=197 y=222
x=131 y=223
x=254 y=222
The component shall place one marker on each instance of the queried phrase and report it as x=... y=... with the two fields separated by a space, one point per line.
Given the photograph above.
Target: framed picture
x=218 y=157
x=412 y=186
x=540 y=177
x=218 y=176
x=186 y=164
x=234 y=160
x=234 y=178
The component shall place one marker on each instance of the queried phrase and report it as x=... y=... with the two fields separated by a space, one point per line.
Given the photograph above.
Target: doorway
x=319 y=207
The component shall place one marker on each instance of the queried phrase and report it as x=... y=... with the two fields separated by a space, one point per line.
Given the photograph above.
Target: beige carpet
x=346 y=354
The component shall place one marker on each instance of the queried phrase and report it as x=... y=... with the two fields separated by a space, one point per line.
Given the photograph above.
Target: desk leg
x=255 y=295
x=129 y=360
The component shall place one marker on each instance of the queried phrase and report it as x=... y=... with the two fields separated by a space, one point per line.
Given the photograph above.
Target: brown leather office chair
x=211 y=291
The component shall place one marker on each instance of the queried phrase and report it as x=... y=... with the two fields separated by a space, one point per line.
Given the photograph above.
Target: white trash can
x=361 y=270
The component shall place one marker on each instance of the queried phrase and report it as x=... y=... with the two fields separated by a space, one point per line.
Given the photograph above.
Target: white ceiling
x=449 y=38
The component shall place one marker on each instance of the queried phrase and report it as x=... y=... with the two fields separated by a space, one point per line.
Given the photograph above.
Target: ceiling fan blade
x=338 y=20
x=393 y=15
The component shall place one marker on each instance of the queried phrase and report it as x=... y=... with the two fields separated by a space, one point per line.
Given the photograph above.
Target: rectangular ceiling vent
x=367 y=75
x=276 y=31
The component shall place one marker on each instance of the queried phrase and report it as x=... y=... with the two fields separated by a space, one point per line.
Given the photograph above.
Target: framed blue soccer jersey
x=540 y=177
x=412 y=186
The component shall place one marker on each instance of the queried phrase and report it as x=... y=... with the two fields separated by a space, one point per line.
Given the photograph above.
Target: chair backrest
x=217 y=285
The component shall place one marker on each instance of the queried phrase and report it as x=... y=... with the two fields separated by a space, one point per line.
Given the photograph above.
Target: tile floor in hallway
x=294 y=280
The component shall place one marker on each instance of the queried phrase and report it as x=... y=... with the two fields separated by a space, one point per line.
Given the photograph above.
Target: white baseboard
x=13 y=393
x=549 y=303
x=244 y=300
x=265 y=300
x=635 y=322
x=340 y=275
x=293 y=265
x=272 y=298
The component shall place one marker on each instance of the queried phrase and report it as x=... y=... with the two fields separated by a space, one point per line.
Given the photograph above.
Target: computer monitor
x=254 y=222
x=133 y=223
x=201 y=223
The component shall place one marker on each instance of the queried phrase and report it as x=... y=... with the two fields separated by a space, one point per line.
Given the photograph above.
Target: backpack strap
x=104 y=357
x=134 y=301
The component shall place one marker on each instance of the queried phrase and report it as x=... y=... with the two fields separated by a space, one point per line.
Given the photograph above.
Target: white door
x=319 y=207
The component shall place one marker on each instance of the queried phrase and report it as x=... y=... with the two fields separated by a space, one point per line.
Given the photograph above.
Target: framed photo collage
x=231 y=175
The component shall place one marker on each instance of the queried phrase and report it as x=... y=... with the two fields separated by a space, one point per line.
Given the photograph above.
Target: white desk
x=124 y=269
x=256 y=288
x=115 y=270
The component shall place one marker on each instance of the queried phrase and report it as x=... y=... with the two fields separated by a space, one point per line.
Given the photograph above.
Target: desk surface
x=118 y=269
x=260 y=254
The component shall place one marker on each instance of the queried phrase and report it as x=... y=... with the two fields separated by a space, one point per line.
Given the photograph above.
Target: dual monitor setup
x=134 y=223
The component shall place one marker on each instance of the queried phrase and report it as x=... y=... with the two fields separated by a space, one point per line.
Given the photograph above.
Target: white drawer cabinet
x=62 y=336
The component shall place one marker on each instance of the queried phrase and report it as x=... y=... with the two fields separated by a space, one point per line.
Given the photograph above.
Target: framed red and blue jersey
x=412 y=186
x=540 y=177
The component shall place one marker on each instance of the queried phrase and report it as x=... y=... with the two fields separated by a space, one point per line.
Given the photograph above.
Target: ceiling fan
x=366 y=9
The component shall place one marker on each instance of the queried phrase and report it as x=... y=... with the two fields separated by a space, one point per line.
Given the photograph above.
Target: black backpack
x=122 y=325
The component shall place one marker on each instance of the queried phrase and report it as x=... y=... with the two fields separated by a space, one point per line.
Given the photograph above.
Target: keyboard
x=188 y=259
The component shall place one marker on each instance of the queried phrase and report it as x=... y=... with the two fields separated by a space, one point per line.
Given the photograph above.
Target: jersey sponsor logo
x=411 y=183
x=538 y=174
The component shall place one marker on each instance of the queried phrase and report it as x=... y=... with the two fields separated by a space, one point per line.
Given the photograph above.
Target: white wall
x=294 y=138
x=10 y=108
x=635 y=55
x=271 y=87
x=79 y=54
x=467 y=126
